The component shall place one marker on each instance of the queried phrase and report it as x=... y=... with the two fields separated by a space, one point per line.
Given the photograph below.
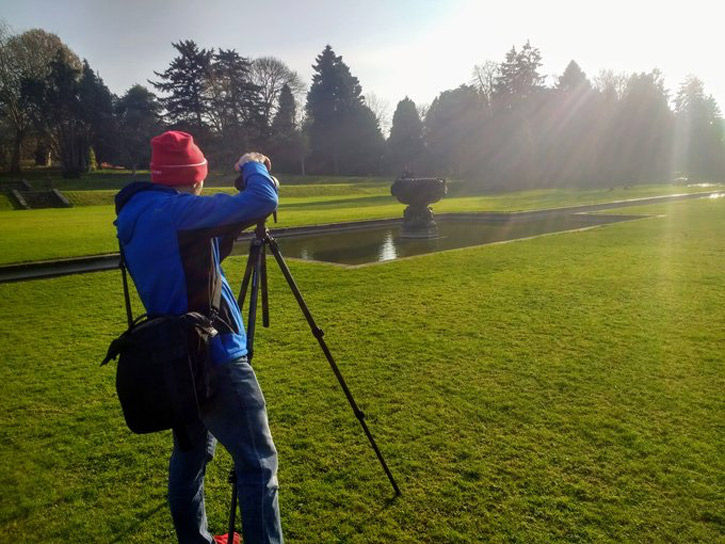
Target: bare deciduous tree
x=271 y=74
x=609 y=82
x=381 y=109
x=483 y=78
x=422 y=110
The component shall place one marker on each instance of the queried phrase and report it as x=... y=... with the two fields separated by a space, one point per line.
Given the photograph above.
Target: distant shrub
x=92 y=162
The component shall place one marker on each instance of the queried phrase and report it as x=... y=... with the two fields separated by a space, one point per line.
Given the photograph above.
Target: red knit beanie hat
x=176 y=159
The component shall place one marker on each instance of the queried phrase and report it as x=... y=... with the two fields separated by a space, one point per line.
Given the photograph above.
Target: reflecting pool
x=378 y=244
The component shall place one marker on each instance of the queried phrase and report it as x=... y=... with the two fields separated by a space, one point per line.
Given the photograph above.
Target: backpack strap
x=216 y=296
x=124 y=275
x=214 y=303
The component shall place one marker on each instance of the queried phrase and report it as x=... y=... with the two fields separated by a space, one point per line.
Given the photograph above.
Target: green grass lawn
x=567 y=388
x=29 y=235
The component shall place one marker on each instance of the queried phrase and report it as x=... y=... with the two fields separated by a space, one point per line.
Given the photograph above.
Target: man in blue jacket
x=173 y=242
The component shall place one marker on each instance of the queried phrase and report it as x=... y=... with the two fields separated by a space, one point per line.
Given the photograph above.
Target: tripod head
x=260 y=231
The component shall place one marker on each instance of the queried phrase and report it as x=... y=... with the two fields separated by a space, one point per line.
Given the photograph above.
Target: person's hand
x=253 y=156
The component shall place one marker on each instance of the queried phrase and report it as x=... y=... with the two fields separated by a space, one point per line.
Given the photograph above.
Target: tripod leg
x=254 y=248
x=318 y=333
x=233 y=510
x=265 y=294
x=251 y=273
x=253 y=298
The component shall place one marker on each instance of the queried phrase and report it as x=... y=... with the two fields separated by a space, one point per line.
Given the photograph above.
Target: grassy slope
x=115 y=179
x=54 y=233
x=562 y=389
x=5 y=204
x=105 y=197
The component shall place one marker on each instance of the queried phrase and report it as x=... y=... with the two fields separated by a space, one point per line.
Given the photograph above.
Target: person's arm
x=220 y=212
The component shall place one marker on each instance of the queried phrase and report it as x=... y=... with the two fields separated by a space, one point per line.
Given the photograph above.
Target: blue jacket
x=173 y=244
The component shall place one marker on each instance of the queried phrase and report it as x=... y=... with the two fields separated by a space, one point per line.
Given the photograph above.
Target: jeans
x=237 y=417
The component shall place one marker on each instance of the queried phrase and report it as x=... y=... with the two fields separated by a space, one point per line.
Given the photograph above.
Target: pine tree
x=233 y=99
x=405 y=144
x=97 y=110
x=518 y=96
x=699 y=133
x=235 y=107
x=344 y=134
x=185 y=82
x=518 y=79
x=286 y=142
x=642 y=143
x=573 y=80
x=568 y=133
x=284 y=120
x=138 y=116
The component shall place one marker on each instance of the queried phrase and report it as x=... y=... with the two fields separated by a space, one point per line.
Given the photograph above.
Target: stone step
x=51 y=198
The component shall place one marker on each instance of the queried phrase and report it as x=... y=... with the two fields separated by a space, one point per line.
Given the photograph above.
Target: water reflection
x=379 y=244
x=387 y=250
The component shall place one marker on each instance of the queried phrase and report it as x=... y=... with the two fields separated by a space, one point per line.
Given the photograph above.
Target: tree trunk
x=15 y=161
x=42 y=154
x=74 y=153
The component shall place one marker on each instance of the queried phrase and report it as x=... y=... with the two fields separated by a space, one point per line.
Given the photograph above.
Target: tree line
x=505 y=128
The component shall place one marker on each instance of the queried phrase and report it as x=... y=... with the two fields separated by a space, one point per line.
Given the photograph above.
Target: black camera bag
x=165 y=374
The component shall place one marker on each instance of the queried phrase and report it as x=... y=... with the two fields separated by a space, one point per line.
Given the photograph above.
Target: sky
x=396 y=48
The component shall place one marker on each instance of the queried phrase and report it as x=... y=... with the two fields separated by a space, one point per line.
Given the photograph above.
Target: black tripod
x=256 y=273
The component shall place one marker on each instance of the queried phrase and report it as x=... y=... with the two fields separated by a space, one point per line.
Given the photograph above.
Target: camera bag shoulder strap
x=214 y=305
x=216 y=296
x=120 y=343
x=124 y=275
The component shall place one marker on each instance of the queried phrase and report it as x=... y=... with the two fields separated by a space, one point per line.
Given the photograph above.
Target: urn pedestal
x=418 y=193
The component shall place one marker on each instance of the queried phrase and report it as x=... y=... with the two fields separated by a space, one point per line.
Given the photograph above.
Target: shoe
x=222 y=539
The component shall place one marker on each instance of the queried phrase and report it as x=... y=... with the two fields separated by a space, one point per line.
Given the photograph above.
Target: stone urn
x=418 y=193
